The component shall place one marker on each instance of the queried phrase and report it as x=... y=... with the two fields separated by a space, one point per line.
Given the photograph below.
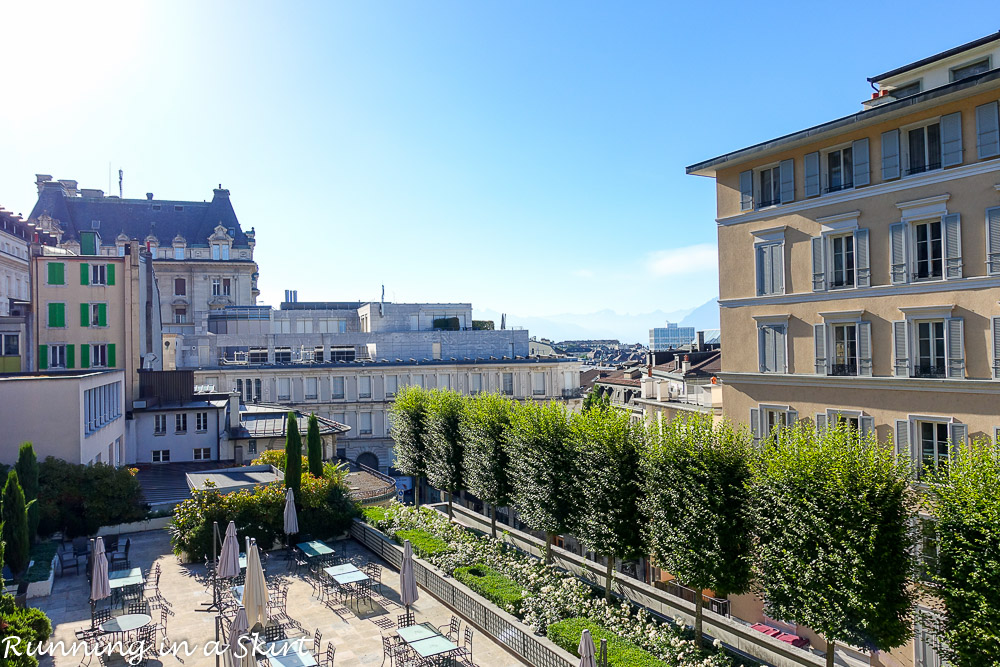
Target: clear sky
x=525 y=156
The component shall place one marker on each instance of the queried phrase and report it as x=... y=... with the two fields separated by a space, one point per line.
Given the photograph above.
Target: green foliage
x=27 y=474
x=482 y=325
x=314 y=446
x=409 y=430
x=424 y=544
x=965 y=503
x=445 y=444
x=30 y=624
x=621 y=653
x=293 y=455
x=79 y=499
x=446 y=323
x=831 y=513
x=276 y=458
x=495 y=587
x=374 y=514
x=42 y=555
x=487 y=465
x=596 y=399
x=15 y=526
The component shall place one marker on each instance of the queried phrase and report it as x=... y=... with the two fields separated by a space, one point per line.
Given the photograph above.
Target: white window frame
x=926 y=654
x=216 y=286
x=98 y=355
x=201 y=454
x=334 y=394
x=201 y=422
x=771 y=321
x=160 y=456
x=98 y=274
x=391 y=387
x=916 y=445
x=829 y=241
x=904 y=148
x=57 y=355
x=364 y=387
x=474 y=380
x=988 y=59
x=503 y=383
x=912 y=250
x=159 y=424
x=535 y=391
x=180 y=422
x=284 y=388
x=763 y=410
x=178 y=252
x=362 y=430
x=824 y=167
x=313 y=392
x=758 y=199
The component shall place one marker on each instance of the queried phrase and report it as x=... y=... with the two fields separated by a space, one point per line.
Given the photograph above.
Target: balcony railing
x=844 y=369
x=842 y=186
x=921 y=168
x=768 y=202
x=717 y=605
x=929 y=371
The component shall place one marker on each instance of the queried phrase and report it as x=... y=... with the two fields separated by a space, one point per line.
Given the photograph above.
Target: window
x=178 y=253
x=774 y=420
x=57 y=356
x=842 y=261
x=121 y=251
x=159 y=424
x=417 y=380
x=845 y=349
x=364 y=386
x=215 y=251
x=57 y=315
x=252 y=446
x=538 y=384
x=282 y=355
x=98 y=314
x=202 y=453
x=770 y=268
x=475 y=383
x=257 y=355
x=201 y=421
x=771 y=345
x=9 y=345
x=216 y=287
x=339 y=417
x=180 y=315
x=905 y=91
x=99 y=355
x=161 y=456
x=508 y=384
x=225 y=252
x=769 y=186
x=256 y=390
x=284 y=389
x=767 y=420
x=927 y=551
x=180 y=287
x=98 y=274
x=312 y=388
x=365 y=423
x=239 y=388
x=391 y=385
x=934 y=445
x=923 y=146
x=929 y=250
x=930 y=361
x=180 y=423
x=839 y=169
x=445 y=382
x=341 y=354
x=337 y=387
x=318 y=354
x=972 y=69
x=927 y=644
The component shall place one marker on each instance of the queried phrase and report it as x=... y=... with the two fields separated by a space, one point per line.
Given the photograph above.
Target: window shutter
x=897 y=251
x=791 y=417
x=111 y=274
x=43 y=357
x=902 y=440
x=952 y=246
x=779 y=350
x=865 y=348
x=890 y=155
x=112 y=362
x=755 y=423
x=993 y=241
x=862 y=170
x=867 y=426
x=862 y=265
x=53 y=315
x=778 y=268
x=819 y=266
x=84 y=314
x=955 y=347
x=819 y=340
x=767 y=358
x=951 y=139
x=71 y=356
x=84 y=273
x=995 y=331
x=958 y=436
x=812 y=174
x=900 y=349
x=746 y=190
x=84 y=355
x=820 y=422
x=102 y=314
x=987 y=131
x=55 y=273
x=787 y=169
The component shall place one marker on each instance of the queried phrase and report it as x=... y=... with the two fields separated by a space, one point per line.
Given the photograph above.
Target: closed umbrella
x=229 y=559
x=255 y=589
x=408 y=592
x=291 y=518
x=586 y=650
x=237 y=630
x=100 y=587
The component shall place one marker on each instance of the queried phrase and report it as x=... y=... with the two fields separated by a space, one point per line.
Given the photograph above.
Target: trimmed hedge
x=42 y=553
x=424 y=544
x=495 y=587
x=621 y=653
x=373 y=514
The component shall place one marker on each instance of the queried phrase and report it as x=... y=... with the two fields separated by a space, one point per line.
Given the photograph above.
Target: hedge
x=78 y=499
x=42 y=553
x=424 y=544
x=495 y=587
x=621 y=653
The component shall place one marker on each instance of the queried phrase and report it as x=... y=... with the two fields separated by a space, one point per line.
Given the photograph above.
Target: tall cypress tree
x=293 y=455
x=27 y=475
x=15 y=525
x=314 y=446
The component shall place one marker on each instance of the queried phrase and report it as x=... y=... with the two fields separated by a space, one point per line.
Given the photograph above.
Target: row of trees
x=819 y=525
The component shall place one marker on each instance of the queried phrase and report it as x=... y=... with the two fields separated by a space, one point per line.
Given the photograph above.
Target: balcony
x=764 y=203
x=844 y=369
x=838 y=188
x=929 y=370
x=921 y=168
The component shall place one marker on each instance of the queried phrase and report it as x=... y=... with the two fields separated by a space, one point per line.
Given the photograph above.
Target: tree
x=965 y=505
x=487 y=466
x=409 y=433
x=27 y=474
x=697 y=507
x=15 y=526
x=596 y=399
x=831 y=514
x=609 y=446
x=546 y=482
x=445 y=444
x=314 y=445
x=293 y=456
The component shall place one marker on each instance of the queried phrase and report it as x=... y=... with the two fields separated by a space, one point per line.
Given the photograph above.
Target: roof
x=15 y=226
x=383 y=363
x=936 y=57
x=234 y=479
x=706 y=367
x=269 y=421
x=137 y=218
x=620 y=379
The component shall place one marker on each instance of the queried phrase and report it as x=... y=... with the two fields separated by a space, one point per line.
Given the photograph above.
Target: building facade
x=669 y=337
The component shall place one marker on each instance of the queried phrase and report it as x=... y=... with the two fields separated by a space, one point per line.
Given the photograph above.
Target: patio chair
x=363 y=591
x=146 y=639
x=98 y=616
x=317 y=642
x=138 y=608
x=67 y=560
x=274 y=633
x=161 y=627
x=123 y=556
x=454 y=629
x=81 y=546
x=405 y=620
x=331 y=651
x=393 y=649
x=151 y=589
x=464 y=653
x=111 y=544
x=374 y=572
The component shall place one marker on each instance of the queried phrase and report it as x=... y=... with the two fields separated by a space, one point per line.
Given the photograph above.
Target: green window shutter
x=88 y=243
x=43 y=357
x=111 y=274
x=57 y=315
x=84 y=355
x=84 y=273
x=61 y=312
x=102 y=314
x=112 y=362
x=56 y=275
x=71 y=356
x=84 y=314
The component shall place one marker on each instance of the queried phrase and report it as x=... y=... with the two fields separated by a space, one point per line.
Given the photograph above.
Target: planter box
x=40 y=589
x=158 y=523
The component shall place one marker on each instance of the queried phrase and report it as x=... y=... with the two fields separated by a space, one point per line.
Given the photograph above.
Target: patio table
x=314 y=549
x=432 y=646
x=126 y=623
x=350 y=577
x=334 y=570
x=415 y=633
x=124 y=578
x=282 y=653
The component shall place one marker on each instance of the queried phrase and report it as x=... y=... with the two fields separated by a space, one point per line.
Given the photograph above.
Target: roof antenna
x=120 y=175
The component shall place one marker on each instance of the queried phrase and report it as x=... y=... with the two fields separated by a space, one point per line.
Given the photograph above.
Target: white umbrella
x=255 y=589
x=291 y=518
x=586 y=650
x=408 y=592
x=229 y=559
x=100 y=587
x=237 y=630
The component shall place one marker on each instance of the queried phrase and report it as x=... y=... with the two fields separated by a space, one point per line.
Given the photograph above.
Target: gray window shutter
x=865 y=348
x=951 y=139
x=820 y=422
x=787 y=169
x=867 y=426
x=897 y=250
x=791 y=417
x=862 y=265
x=746 y=190
x=902 y=442
x=955 y=346
x=958 y=436
x=995 y=332
x=987 y=131
x=862 y=170
x=900 y=349
x=762 y=341
x=819 y=265
x=812 y=187
x=755 y=423
x=890 y=155
x=778 y=268
x=952 y=246
x=779 y=349
x=819 y=341
x=993 y=241
x=764 y=271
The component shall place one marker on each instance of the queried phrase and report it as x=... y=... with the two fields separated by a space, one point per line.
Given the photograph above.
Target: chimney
x=92 y=193
x=701 y=341
x=685 y=364
x=41 y=178
x=70 y=186
x=149 y=196
x=234 y=410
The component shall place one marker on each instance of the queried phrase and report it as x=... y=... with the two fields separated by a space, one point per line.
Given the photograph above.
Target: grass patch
x=621 y=653
x=42 y=553
x=495 y=587
x=424 y=544
x=373 y=515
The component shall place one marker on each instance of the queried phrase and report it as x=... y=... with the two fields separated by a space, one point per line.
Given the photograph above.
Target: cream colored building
x=861 y=266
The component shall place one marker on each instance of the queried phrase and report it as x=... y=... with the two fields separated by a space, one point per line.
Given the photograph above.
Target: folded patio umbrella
x=291 y=518
x=255 y=589
x=586 y=650
x=408 y=592
x=229 y=559
x=237 y=630
x=100 y=586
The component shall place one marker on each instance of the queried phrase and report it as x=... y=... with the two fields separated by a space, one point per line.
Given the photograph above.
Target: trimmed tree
x=293 y=456
x=445 y=444
x=487 y=466
x=965 y=504
x=314 y=445
x=547 y=492
x=408 y=415
x=15 y=526
x=831 y=513
x=27 y=475
x=609 y=448
x=697 y=507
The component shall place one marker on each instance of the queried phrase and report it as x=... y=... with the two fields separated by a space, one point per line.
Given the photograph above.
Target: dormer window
x=179 y=252
x=156 y=207
x=906 y=91
x=971 y=69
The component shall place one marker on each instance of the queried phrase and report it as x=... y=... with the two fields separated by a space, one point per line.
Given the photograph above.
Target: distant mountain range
x=607 y=323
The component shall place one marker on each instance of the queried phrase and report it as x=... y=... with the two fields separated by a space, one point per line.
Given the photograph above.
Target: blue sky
x=525 y=156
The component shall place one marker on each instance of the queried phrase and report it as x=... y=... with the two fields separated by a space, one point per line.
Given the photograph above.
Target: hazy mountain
x=705 y=316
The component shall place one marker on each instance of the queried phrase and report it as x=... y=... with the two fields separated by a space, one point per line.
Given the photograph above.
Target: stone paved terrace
x=358 y=640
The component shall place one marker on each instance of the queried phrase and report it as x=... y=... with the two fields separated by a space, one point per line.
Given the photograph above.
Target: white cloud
x=699 y=258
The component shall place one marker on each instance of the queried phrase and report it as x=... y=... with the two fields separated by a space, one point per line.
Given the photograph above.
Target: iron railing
x=383 y=492
x=716 y=605
x=844 y=369
x=929 y=371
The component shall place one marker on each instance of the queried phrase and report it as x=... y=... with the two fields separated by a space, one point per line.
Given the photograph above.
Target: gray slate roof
x=267 y=421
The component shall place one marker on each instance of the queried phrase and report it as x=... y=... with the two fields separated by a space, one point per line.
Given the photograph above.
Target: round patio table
x=126 y=623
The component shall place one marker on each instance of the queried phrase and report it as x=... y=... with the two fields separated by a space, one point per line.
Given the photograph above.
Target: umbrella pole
x=603 y=660
x=215 y=559
x=93 y=565
x=217 y=641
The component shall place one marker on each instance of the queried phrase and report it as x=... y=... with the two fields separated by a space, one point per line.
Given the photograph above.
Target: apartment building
x=669 y=336
x=862 y=265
